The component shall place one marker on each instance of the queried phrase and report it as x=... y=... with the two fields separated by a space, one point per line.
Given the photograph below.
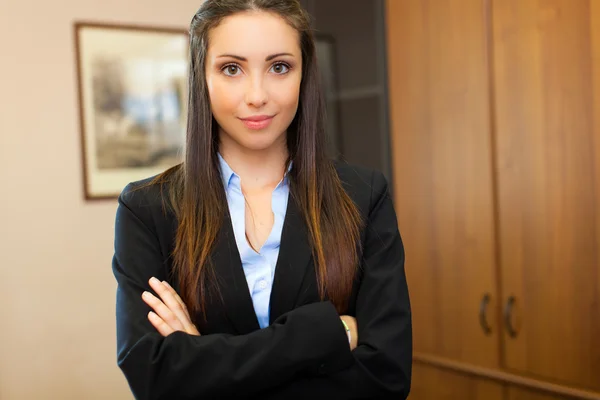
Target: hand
x=351 y=322
x=170 y=314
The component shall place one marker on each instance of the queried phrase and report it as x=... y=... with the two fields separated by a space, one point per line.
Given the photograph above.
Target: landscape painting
x=132 y=95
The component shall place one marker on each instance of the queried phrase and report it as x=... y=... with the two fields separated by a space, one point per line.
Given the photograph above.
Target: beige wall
x=57 y=327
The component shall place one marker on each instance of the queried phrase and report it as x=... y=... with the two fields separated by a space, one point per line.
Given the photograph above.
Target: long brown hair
x=197 y=195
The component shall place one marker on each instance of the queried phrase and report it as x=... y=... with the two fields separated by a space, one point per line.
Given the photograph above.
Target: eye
x=280 y=68
x=231 y=69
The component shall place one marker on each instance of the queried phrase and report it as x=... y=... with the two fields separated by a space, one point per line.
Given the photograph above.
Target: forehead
x=253 y=33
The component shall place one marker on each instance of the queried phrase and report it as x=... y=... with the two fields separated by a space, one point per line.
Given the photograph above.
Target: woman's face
x=253 y=72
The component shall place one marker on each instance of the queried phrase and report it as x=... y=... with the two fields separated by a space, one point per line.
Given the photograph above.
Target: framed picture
x=132 y=84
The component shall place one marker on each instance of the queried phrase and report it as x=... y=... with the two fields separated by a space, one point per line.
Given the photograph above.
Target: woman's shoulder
x=365 y=185
x=354 y=173
x=144 y=191
x=148 y=196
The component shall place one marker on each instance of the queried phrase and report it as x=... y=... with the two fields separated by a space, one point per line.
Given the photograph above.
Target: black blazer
x=304 y=353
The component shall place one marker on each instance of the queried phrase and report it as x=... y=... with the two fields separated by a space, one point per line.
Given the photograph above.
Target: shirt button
x=262 y=284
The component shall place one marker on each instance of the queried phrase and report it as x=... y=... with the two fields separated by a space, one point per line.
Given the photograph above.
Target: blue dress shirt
x=259 y=268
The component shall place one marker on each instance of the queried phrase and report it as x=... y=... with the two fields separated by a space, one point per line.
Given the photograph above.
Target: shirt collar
x=227 y=173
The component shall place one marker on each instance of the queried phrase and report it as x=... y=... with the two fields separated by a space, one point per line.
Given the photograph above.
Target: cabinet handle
x=483 y=314
x=510 y=302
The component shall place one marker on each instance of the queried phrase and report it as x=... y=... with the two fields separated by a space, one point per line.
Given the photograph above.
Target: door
x=443 y=186
x=547 y=113
x=431 y=383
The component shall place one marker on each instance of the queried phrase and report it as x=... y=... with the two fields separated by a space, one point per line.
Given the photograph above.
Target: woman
x=258 y=268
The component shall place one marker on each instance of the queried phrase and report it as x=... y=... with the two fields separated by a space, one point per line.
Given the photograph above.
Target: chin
x=258 y=140
x=258 y=143
x=254 y=140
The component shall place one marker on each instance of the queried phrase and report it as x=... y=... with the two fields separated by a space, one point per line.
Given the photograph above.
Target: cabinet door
x=441 y=152
x=547 y=85
x=431 y=383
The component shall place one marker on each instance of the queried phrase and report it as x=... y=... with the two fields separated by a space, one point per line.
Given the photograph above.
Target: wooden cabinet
x=547 y=149
x=432 y=383
x=495 y=124
x=517 y=393
x=440 y=117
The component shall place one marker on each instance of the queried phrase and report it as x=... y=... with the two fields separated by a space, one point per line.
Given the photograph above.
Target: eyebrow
x=269 y=58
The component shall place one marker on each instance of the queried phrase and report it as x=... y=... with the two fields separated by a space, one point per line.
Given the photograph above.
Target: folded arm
x=308 y=340
x=383 y=357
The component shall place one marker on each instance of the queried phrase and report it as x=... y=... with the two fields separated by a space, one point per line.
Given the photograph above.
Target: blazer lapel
x=292 y=262
x=291 y=267
x=232 y=280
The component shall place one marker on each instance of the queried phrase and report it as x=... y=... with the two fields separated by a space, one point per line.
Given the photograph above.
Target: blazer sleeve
x=383 y=357
x=310 y=339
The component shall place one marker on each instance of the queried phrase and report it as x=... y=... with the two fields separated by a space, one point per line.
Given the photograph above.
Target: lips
x=257 y=122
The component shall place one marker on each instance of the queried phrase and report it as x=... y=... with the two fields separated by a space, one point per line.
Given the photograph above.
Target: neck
x=257 y=169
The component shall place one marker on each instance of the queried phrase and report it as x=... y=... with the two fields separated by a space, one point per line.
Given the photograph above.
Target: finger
x=187 y=321
x=162 y=311
x=169 y=300
x=355 y=329
x=177 y=297
x=161 y=326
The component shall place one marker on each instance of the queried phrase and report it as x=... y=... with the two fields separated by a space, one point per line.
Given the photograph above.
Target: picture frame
x=132 y=94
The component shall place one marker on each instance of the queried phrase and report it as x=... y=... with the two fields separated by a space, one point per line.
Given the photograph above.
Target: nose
x=256 y=94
